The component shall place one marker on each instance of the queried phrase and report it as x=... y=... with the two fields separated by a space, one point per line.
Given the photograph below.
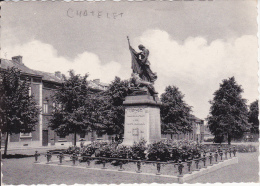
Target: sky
x=193 y=45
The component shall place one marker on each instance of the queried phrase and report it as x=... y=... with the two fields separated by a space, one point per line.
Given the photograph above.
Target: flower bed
x=164 y=150
x=165 y=156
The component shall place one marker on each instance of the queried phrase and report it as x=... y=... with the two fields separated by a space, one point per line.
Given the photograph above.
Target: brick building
x=197 y=133
x=43 y=86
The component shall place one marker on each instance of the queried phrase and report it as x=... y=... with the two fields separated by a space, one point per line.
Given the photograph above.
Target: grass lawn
x=24 y=171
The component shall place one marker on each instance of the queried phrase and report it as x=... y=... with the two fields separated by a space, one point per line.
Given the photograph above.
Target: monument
x=142 y=105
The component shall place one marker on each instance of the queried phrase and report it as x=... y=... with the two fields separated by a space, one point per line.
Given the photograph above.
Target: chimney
x=96 y=81
x=18 y=59
x=58 y=74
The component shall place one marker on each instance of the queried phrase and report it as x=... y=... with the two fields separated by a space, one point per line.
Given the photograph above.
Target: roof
x=192 y=117
x=99 y=86
x=46 y=76
x=5 y=63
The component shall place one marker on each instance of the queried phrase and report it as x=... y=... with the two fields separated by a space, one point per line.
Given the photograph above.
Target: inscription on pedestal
x=142 y=119
x=135 y=123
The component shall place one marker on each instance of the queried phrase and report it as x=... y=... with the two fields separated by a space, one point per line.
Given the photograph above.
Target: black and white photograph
x=124 y=92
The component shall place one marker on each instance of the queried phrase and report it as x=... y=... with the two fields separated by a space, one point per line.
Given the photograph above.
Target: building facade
x=197 y=133
x=43 y=87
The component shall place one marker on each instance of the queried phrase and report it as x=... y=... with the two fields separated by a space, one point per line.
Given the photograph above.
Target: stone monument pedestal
x=142 y=119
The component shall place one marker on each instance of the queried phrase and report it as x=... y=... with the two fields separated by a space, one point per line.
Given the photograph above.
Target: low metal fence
x=178 y=168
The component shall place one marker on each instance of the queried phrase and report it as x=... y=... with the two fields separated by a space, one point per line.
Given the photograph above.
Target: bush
x=184 y=149
x=219 y=139
x=159 y=150
x=72 y=150
x=16 y=156
x=122 y=151
x=87 y=150
x=180 y=150
x=106 y=150
x=165 y=150
x=98 y=144
x=138 y=149
x=246 y=148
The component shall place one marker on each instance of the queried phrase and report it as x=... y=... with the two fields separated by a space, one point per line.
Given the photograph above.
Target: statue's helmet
x=141 y=46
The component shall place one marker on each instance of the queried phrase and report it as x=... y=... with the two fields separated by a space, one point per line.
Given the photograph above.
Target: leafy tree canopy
x=72 y=111
x=174 y=111
x=253 y=116
x=18 y=109
x=228 y=112
x=112 y=109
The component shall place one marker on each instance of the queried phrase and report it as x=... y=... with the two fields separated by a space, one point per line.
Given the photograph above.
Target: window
x=99 y=135
x=45 y=107
x=197 y=128
x=25 y=135
x=56 y=105
x=62 y=136
x=30 y=91
x=82 y=135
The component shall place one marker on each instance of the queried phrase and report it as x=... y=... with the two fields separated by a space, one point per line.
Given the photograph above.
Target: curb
x=177 y=179
x=204 y=171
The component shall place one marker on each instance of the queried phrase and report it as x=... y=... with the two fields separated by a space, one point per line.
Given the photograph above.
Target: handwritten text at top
x=71 y=13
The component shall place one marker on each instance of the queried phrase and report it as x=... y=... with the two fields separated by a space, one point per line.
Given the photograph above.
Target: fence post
x=104 y=162
x=138 y=165
x=210 y=159
x=197 y=164
x=234 y=151
x=204 y=160
x=88 y=162
x=219 y=149
x=226 y=152
x=230 y=152
x=180 y=167
x=221 y=155
x=189 y=162
x=216 y=156
x=60 y=156
x=48 y=155
x=205 y=152
x=158 y=166
x=74 y=157
x=120 y=164
x=36 y=155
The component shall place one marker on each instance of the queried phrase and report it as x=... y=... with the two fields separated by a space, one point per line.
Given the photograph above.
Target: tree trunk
x=6 y=143
x=75 y=139
x=229 y=139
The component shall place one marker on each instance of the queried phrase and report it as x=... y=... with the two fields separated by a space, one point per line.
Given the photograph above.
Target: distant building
x=43 y=86
x=197 y=133
x=208 y=137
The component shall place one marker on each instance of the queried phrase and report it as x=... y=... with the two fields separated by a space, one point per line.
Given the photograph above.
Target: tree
x=72 y=114
x=18 y=110
x=112 y=108
x=253 y=117
x=174 y=111
x=228 y=112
